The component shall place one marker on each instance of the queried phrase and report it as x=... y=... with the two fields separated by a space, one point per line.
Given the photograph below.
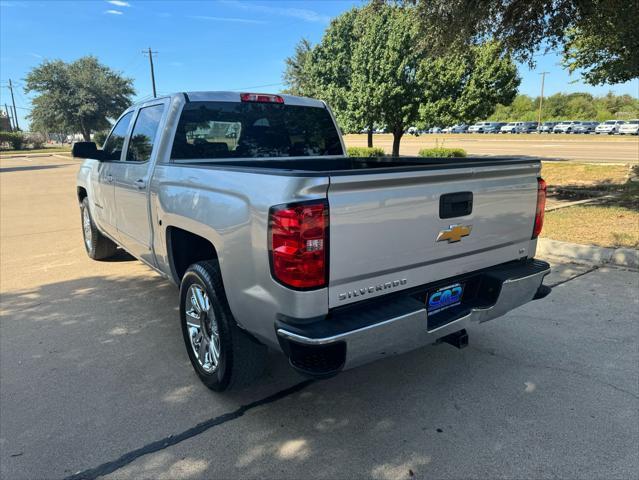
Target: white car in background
x=609 y=127
x=631 y=127
x=460 y=128
x=512 y=127
x=565 y=127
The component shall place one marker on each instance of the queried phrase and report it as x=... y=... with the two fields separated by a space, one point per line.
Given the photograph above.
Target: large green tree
x=600 y=38
x=80 y=96
x=467 y=86
x=389 y=63
x=329 y=68
x=368 y=68
x=295 y=71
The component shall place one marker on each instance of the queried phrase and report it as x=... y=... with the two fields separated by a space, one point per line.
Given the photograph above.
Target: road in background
x=93 y=368
x=583 y=148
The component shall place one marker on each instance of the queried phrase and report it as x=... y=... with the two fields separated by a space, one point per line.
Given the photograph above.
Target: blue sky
x=201 y=45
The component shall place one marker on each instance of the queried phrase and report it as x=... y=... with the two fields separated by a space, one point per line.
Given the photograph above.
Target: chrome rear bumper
x=399 y=326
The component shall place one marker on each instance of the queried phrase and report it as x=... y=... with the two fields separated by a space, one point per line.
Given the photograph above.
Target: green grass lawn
x=602 y=225
x=39 y=150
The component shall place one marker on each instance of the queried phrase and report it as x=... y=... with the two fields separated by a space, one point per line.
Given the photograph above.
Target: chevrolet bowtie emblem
x=454 y=233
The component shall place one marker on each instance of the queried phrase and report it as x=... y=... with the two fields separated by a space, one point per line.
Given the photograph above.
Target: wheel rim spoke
x=203 y=328
x=86 y=225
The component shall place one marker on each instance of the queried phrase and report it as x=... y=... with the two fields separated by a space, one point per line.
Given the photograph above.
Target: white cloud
x=304 y=14
x=113 y=12
x=226 y=19
x=119 y=3
x=35 y=55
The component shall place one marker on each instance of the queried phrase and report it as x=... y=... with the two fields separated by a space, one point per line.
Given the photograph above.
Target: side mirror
x=86 y=150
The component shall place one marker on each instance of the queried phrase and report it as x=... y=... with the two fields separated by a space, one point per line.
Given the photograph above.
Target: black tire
x=242 y=358
x=98 y=247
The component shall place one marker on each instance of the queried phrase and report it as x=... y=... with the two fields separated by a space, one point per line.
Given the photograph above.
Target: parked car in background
x=380 y=130
x=461 y=128
x=527 y=127
x=565 y=127
x=609 y=127
x=435 y=130
x=546 y=127
x=511 y=127
x=631 y=127
x=495 y=127
x=585 y=127
x=412 y=131
x=478 y=127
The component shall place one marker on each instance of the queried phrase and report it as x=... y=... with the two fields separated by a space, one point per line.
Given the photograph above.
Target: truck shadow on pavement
x=107 y=360
x=31 y=167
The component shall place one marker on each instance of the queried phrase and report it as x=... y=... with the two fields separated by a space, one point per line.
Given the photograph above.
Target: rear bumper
x=374 y=329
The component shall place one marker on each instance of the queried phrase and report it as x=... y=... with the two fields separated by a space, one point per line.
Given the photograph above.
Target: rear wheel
x=222 y=354
x=98 y=246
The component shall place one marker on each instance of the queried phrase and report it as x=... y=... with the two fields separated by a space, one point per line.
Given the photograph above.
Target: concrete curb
x=622 y=257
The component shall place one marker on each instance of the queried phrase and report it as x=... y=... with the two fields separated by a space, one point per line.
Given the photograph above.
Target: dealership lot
x=582 y=148
x=95 y=378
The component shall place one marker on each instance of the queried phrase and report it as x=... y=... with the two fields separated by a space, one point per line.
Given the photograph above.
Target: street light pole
x=541 y=98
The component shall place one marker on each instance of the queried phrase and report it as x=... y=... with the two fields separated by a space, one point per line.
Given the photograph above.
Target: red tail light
x=298 y=244
x=541 y=206
x=261 y=97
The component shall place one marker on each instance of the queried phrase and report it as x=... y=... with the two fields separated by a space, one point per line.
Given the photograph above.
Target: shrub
x=14 y=139
x=36 y=140
x=99 y=138
x=441 y=152
x=365 y=152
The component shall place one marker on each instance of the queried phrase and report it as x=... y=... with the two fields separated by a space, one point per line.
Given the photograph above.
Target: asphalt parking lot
x=95 y=380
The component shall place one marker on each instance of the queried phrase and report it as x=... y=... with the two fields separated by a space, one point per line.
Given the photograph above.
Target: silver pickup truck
x=278 y=239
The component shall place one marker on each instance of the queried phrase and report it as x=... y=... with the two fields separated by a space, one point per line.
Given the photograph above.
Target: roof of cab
x=235 y=97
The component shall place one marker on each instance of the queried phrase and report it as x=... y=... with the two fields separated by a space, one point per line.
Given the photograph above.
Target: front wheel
x=98 y=246
x=221 y=353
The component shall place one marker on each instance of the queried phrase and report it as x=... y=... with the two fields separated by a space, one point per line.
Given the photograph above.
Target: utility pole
x=9 y=116
x=150 y=54
x=541 y=98
x=13 y=100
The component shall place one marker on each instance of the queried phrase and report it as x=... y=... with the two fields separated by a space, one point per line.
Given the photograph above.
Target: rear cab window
x=212 y=130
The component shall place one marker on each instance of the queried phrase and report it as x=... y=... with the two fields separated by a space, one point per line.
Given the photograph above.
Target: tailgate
x=384 y=226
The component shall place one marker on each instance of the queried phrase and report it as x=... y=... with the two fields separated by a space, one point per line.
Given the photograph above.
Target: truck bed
x=322 y=166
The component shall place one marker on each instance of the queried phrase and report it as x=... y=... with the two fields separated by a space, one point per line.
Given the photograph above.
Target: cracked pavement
x=95 y=380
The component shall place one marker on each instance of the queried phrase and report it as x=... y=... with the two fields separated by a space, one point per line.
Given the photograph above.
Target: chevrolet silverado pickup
x=279 y=240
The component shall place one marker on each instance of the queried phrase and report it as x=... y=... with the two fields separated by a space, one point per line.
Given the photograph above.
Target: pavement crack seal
x=129 y=457
x=573 y=277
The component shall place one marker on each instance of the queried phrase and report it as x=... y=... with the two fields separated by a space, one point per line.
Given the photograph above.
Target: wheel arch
x=81 y=192
x=185 y=248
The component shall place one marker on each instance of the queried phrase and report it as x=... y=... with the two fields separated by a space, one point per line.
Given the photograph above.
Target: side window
x=113 y=146
x=144 y=133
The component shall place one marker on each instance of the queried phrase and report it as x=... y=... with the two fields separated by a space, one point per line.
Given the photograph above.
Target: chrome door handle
x=140 y=183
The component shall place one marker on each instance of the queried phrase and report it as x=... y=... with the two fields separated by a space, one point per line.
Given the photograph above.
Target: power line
x=150 y=54
x=260 y=86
